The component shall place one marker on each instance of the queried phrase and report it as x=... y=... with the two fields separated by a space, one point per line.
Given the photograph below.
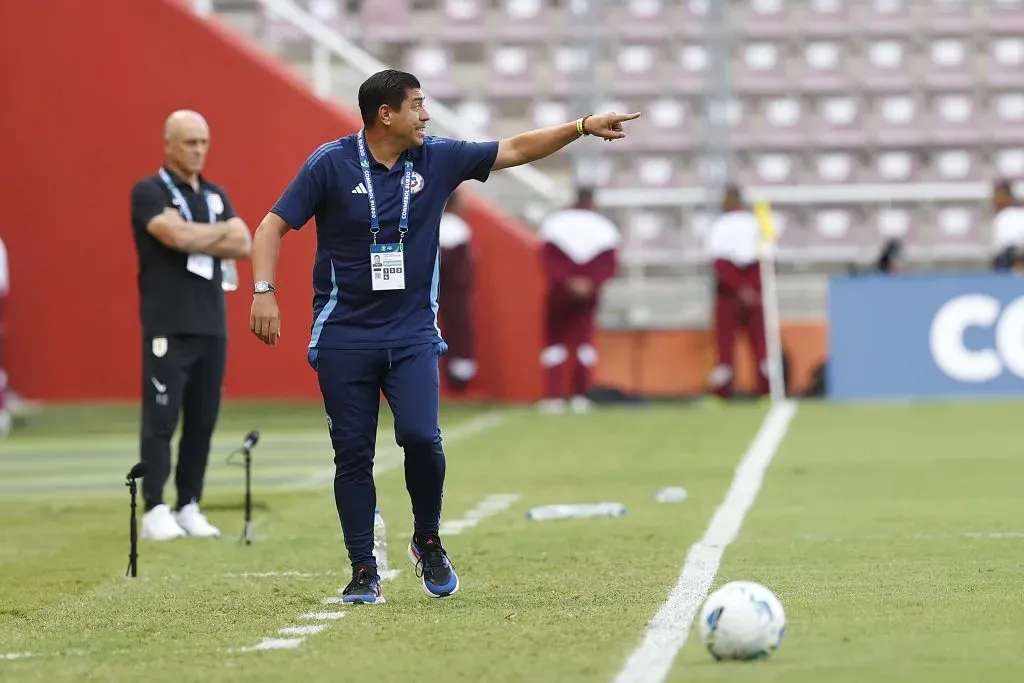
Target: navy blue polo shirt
x=347 y=313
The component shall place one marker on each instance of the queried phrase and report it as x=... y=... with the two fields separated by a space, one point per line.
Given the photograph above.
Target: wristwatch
x=262 y=287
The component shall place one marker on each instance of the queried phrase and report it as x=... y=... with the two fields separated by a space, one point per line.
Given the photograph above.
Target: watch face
x=262 y=287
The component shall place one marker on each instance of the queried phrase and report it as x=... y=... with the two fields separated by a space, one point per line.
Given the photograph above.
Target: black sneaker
x=433 y=566
x=364 y=586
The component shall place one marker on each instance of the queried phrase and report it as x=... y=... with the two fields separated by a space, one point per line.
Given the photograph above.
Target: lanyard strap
x=179 y=199
x=364 y=164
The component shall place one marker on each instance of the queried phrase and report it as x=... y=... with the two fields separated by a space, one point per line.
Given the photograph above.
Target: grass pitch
x=893 y=536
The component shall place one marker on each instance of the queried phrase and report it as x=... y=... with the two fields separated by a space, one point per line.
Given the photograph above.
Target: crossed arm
x=224 y=239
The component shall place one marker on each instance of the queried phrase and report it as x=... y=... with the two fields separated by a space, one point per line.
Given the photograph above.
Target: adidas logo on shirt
x=359 y=189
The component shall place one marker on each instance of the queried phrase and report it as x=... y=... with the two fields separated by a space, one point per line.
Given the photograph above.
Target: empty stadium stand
x=860 y=120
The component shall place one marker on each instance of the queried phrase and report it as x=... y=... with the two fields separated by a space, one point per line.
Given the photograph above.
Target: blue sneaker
x=364 y=588
x=432 y=564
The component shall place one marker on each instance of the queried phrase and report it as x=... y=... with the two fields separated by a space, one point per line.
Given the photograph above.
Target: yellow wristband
x=579 y=127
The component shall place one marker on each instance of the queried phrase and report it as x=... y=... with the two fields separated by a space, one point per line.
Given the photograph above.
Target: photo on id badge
x=387 y=265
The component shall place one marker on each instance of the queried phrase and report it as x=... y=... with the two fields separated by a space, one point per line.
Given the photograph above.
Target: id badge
x=201 y=265
x=387 y=267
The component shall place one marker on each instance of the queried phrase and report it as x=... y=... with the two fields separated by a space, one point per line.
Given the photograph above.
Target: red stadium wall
x=86 y=87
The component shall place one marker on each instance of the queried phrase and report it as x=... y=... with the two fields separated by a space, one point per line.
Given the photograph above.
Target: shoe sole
x=423 y=583
x=362 y=600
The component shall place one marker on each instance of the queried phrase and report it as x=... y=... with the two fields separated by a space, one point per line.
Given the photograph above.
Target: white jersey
x=580 y=234
x=1008 y=228
x=454 y=231
x=735 y=237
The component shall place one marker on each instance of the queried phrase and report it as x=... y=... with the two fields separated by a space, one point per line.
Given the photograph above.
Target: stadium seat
x=884 y=17
x=1005 y=64
x=637 y=70
x=949 y=64
x=281 y=34
x=691 y=75
x=432 y=65
x=643 y=19
x=762 y=18
x=839 y=122
x=512 y=71
x=1009 y=163
x=832 y=168
x=668 y=124
x=897 y=120
x=524 y=20
x=463 y=20
x=951 y=17
x=774 y=168
x=1005 y=16
x=886 y=65
x=827 y=18
x=1006 y=119
x=386 y=22
x=760 y=67
x=951 y=165
x=823 y=67
x=954 y=119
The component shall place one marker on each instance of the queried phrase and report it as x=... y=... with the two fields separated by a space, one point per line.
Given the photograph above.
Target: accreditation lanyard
x=179 y=199
x=403 y=221
x=198 y=264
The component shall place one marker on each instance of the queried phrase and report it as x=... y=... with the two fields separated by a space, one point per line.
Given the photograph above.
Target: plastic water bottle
x=229 y=275
x=380 y=542
x=547 y=512
x=671 y=494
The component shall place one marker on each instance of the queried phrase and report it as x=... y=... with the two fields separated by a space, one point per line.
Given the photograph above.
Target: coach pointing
x=377 y=197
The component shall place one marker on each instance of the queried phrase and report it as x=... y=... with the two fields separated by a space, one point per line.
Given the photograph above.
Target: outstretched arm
x=537 y=144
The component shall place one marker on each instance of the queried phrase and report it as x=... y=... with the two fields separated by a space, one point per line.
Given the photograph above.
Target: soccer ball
x=742 y=620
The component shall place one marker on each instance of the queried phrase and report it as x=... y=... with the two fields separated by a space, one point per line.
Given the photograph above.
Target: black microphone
x=137 y=471
x=251 y=439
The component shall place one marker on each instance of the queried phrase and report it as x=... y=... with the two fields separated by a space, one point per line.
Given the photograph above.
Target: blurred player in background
x=1007 y=228
x=580 y=255
x=732 y=244
x=458 y=269
x=382 y=191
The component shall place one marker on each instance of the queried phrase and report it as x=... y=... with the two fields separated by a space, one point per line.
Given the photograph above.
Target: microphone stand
x=247 y=533
x=246 y=451
x=133 y=554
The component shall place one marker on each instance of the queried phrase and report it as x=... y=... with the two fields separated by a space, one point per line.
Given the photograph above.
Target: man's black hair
x=384 y=87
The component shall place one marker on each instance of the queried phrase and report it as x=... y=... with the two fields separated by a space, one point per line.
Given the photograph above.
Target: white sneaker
x=551 y=406
x=158 y=525
x=195 y=523
x=581 y=404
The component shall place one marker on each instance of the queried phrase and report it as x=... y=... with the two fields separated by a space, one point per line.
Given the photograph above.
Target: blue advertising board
x=926 y=336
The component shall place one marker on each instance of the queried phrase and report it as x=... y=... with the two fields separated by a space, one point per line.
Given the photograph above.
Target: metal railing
x=328 y=43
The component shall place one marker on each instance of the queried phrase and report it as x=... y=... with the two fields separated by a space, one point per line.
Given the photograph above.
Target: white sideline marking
x=323 y=616
x=302 y=630
x=333 y=601
x=274 y=644
x=488 y=507
x=264 y=575
x=667 y=631
x=15 y=655
x=390 y=457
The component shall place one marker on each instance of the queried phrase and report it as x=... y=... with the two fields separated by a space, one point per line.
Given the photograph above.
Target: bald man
x=185 y=229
